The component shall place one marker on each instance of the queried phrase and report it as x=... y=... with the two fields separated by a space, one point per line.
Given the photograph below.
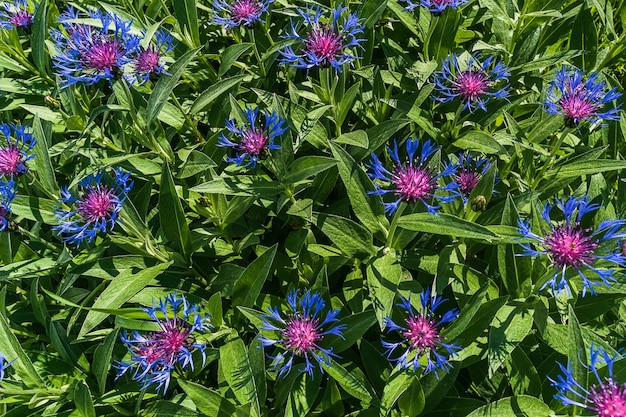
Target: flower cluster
x=16 y=15
x=255 y=139
x=474 y=84
x=16 y=150
x=415 y=180
x=572 y=246
x=327 y=42
x=94 y=210
x=87 y=54
x=155 y=355
x=603 y=397
x=435 y=6
x=578 y=98
x=239 y=12
x=300 y=331
x=421 y=337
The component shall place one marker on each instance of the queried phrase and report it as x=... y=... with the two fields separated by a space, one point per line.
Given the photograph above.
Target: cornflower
x=604 y=397
x=16 y=15
x=239 y=12
x=415 y=180
x=87 y=54
x=148 y=62
x=15 y=152
x=421 y=338
x=7 y=194
x=474 y=85
x=580 y=99
x=4 y=365
x=327 y=42
x=94 y=210
x=571 y=246
x=300 y=332
x=436 y=6
x=254 y=141
x=155 y=355
x=468 y=173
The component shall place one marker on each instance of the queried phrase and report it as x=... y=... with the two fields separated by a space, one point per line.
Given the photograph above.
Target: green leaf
x=34 y=208
x=307 y=166
x=576 y=350
x=30 y=268
x=237 y=369
x=120 y=290
x=383 y=276
x=446 y=224
x=356 y=387
x=166 y=83
x=411 y=402
x=519 y=406
x=476 y=140
x=41 y=163
x=579 y=168
x=172 y=215
x=356 y=326
x=82 y=398
x=240 y=186
x=208 y=401
x=195 y=163
x=442 y=33
x=508 y=328
x=214 y=92
x=38 y=37
x=356 y=138
x=231 y=54
x=584 y=38
x=187 y=16
x=167 y=408
x=250 y=283
x=102 y=359
x=302 y=395
x=353 y=239
x=396 y=385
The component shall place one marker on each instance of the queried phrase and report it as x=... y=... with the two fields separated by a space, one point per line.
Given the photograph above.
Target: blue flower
x=299 y=332
x=94 y=210
x=414 y=180
x=16 y=152
x=474 y=84
x=436 y=6
x=421 y=337
x=4 y=365
x=578 y=99
x=16 y=15
x=148 y=62
x=7 y=194
x=155 y=355
x=569 y=245
x=239 y=12
x=254 y=140
x=327 y=41
x=468 y=173
x=87 y=54
x=604 y=397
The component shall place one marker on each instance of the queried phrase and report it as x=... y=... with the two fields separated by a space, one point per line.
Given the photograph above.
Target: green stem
x=394 y=224
x=256 y=53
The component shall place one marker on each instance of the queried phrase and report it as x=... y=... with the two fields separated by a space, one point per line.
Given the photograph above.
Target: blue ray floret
x=7 y=194
x=16 y=15
x=421 y=339
x=253 y=140
x=148 y=62
x=155 y=355
x=468 y=173
x=435 y=6
x=603 y=397
x=15 y=150
x=94 y=210
x=4 y=364
x=414 y=180
x=327 y=42
x=299 y=332
x=474 y=85
x=578 y=98
x=571 y=246
x=86 y=54
x=234 y=13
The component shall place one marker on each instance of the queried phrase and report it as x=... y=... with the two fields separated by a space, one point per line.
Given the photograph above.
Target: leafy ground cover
x=271 y=207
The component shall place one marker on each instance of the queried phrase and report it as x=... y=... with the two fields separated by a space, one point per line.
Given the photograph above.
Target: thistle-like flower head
x=16 y=15
x=16 y=149
x=255 y=139
x=95 y=208
x=415 y=179
x=233 y=13
x=300 y=332
x=469 y=171
x=579 y=98
x=571 y=246
x=474 y=84
x=328 y=40
x=155 y=355
x=148 y=62
x=420 y=335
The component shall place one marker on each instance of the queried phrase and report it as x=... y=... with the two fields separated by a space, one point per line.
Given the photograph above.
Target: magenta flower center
x=10 y=160
x=422 y=333
x=21 y=18
x=147 y=60
x=570 y=246
x=608 y=399
x=301 y=334
x=103 y=55
x=98 y=204
x=244 y=9
x=467 y=181
x=253 y=141
x=323 y=43
x=576 y=105
x=413 y=183
x=167 y=344
x=471 y=84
